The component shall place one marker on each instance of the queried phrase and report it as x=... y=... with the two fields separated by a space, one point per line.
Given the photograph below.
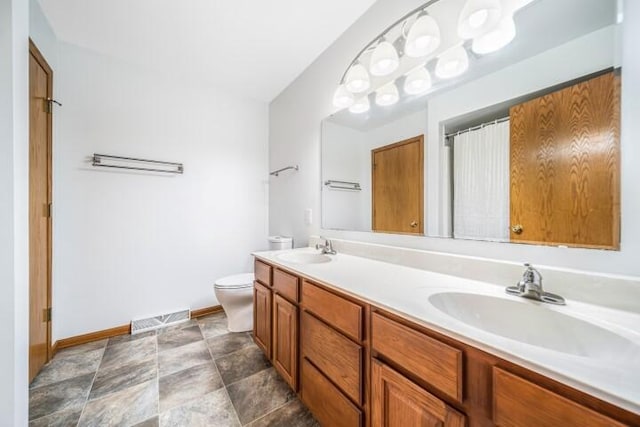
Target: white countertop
x=405 y=291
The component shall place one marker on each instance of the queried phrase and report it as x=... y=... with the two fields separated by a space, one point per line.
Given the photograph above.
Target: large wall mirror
x=523 y=147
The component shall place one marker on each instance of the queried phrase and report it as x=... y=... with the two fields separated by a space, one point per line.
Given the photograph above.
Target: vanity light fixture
x=387 y=94
x=497 y=38
x=452 y=63
x=423 y=37
x=360 y=106
x=342 y=98
x=384 y=59
x=417 y=81
x=478 y=17
x=483 y=26
x=357 y=79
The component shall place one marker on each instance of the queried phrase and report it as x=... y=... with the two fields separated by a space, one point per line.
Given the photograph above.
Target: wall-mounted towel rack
x=343 y=185
x=276 y=173
x=119 y=162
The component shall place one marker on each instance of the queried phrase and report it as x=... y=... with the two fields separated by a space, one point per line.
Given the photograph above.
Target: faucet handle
x=531 y=276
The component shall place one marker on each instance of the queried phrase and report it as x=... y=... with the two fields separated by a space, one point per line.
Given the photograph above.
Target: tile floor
x=193 y=374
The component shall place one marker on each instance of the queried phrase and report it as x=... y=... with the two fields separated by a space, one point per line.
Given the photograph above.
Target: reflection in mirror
x=523 y=147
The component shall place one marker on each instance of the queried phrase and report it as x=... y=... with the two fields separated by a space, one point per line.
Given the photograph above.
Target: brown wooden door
x=40 y=90
x=565 y=166
x=262 y=317
x=397 y=187
x=285 y=340
x=398 y=402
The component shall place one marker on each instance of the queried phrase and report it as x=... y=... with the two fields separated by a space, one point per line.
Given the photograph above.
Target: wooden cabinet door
x=285 y=340
x=565 y=166
x=262 y=317
x=398 y=402
x=397 y=187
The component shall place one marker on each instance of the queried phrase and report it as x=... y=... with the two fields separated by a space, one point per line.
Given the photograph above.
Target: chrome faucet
x=531 y=287
x=327 y=248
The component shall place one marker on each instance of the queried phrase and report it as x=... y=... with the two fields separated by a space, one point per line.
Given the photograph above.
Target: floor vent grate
x=152 y=323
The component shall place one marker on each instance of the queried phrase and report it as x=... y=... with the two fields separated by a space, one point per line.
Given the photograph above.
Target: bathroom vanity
x=370 y=343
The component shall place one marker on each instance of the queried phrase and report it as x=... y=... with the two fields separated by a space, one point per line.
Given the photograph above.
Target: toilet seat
x=237 y=281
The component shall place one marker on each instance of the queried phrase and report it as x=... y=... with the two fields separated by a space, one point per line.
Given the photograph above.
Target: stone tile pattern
x=193 y=374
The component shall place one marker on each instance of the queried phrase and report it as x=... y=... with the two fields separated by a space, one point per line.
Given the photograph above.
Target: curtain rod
x=480 y=126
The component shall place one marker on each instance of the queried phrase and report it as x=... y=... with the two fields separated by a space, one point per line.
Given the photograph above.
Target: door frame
x=422 y=225
x=39 y=57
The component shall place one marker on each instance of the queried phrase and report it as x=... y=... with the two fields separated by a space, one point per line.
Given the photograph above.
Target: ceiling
x=253 y=48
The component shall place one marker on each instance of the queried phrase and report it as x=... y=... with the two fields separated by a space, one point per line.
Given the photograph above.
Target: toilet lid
x=236 y=281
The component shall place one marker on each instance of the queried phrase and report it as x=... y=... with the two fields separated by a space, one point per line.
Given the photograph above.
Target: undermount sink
x=304 y=257
x=534 y=324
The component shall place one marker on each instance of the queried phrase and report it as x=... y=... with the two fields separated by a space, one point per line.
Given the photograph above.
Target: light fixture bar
x=384 y=32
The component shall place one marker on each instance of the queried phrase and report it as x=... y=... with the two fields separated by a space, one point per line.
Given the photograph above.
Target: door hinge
x=49 y=208
x=47 y=315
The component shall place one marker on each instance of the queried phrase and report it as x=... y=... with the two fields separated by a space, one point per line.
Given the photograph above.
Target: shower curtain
x=481 y=183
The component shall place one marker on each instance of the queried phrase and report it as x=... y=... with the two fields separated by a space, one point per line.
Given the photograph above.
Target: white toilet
x=235 y=293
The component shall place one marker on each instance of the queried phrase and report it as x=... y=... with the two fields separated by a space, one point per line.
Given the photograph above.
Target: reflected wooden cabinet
x=398 y=402
x=565 y=166
x=285 y=339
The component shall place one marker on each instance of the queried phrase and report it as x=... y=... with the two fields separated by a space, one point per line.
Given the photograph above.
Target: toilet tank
x=277 y=243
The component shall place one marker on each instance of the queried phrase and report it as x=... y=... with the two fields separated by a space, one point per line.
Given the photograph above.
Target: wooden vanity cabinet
x=275 y=317
x=262 y=317
x=416 y=370
x=285 y=340
x=396 y=402
x=333 y=356
x=356 y=365
x=518 y=402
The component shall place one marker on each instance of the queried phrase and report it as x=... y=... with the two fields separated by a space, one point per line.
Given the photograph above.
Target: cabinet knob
x=413 y=224
x=517 y=228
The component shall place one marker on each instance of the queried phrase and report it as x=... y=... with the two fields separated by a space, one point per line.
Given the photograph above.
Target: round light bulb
x=417 y=81
x=495 y=39
x=342 y=98
x=360 y=106
x=452 y=63
x=387 y=94
x=423 y=37
x=478 y=16
x=384 y=59
x=357 y=79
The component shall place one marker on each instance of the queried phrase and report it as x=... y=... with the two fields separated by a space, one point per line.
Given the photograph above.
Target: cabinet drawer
x=262 y=272
x=286 y=285
x=339 y=358
x=324 y=400
x=429 y=359
x=518 y=402
x=339 y=312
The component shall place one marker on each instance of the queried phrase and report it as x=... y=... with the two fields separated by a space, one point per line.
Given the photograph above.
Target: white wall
x=132 y=244
x=294 y=134
x=14 y=233
x=342 y=156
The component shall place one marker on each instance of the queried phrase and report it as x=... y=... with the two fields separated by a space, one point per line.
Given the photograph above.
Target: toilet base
x=238 y=306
